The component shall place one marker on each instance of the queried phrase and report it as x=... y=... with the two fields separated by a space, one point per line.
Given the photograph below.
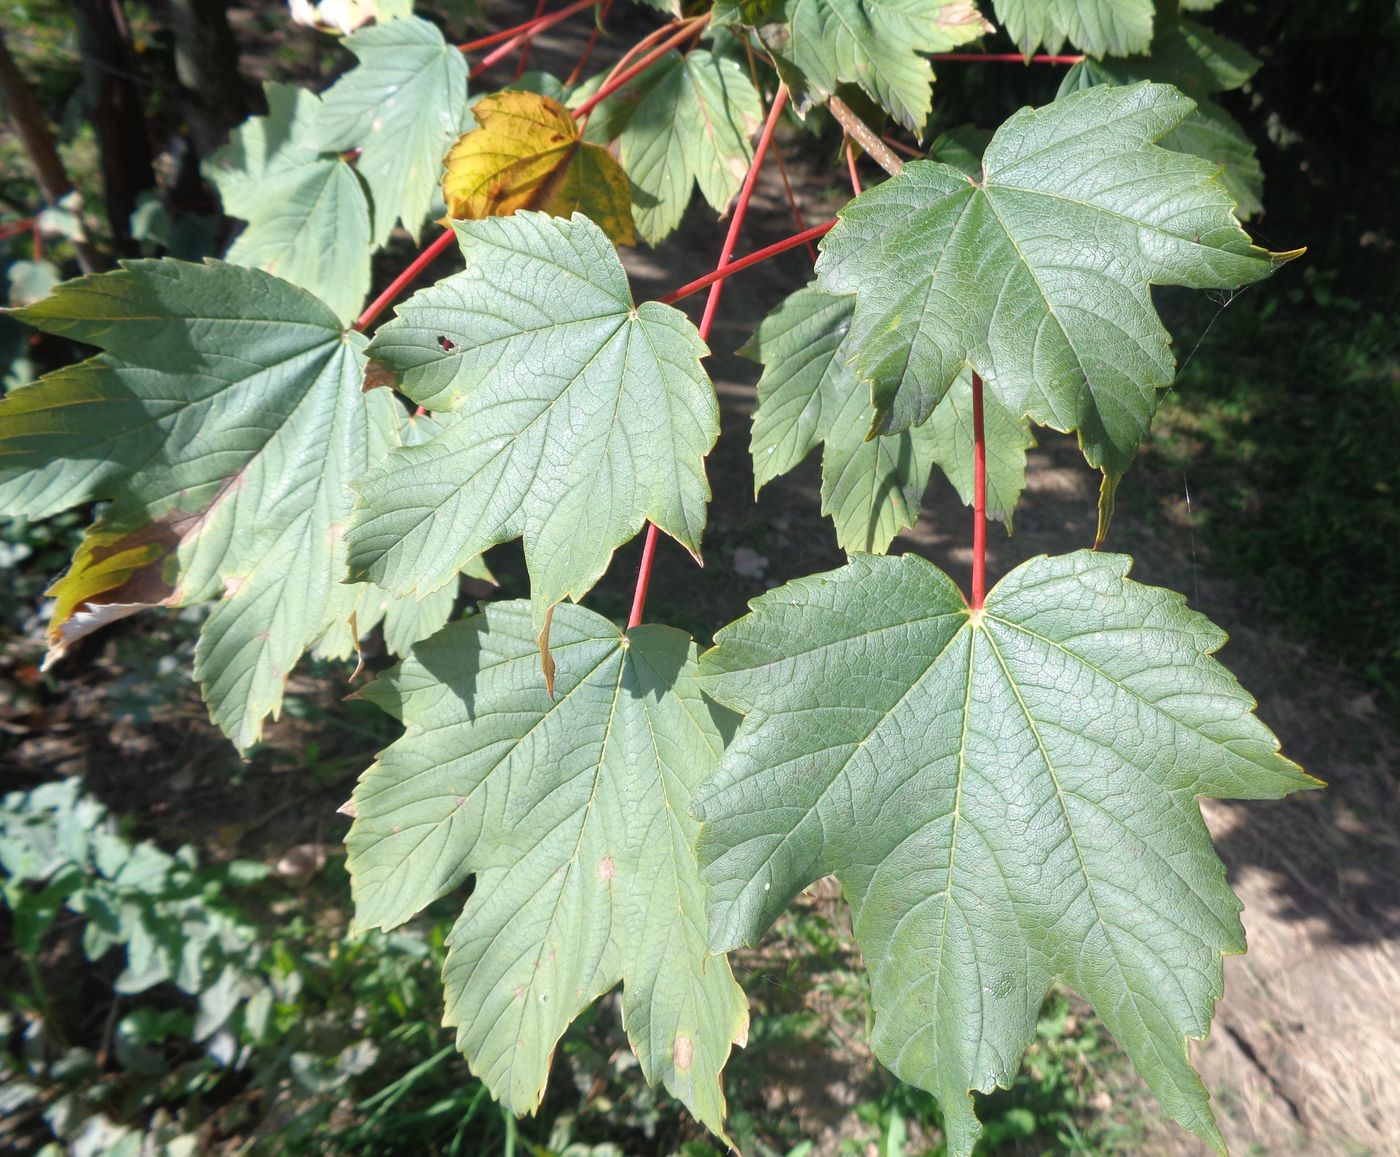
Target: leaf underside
x=572 y=813
x=307 y=213
x=686 y=121
x=818 y=45
x=1097 y=27
x=1008 y=798
x=223 y=421
x=402 y=106
x=871 y=486
x=577 y=416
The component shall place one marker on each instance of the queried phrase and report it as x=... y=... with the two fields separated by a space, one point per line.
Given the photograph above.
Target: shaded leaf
x=579 y=415
x=871 y=486
x=809 y=395
x=1098 y=27
x=526 y=153
x=223 y=420
x=403 y=105
x=1008 y=798
x=686 y=121
x=819 y=45
x=308 y=217
x=1008 y=439
x=573 y=814
x=1038 y=276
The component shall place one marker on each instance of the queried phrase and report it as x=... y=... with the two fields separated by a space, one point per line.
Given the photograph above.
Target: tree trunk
x=117 y=111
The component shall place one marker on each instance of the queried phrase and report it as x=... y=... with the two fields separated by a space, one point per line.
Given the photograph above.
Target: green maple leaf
x=578 y=415
x=818 y=45
x=404 y=105
x=307 y=214
x=1098 y=27
x=685 y=122
x=1008 y=797
x=1201 y=64
x=871 y=486
x=572 y=813
x=223 y=421
x=1037 y=276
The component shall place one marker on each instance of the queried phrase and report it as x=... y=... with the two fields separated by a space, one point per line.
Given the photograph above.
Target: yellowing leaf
x=526 y=153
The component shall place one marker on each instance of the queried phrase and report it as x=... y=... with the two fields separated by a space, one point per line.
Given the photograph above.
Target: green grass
x=1285 y=427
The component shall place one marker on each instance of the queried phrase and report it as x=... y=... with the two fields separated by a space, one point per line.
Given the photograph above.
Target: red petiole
x=1005 y=58
x=979 y=498
x=736 y=223
x=515 y=37
x=685 y=30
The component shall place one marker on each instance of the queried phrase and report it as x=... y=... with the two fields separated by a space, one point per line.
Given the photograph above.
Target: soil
x=1305 y=1053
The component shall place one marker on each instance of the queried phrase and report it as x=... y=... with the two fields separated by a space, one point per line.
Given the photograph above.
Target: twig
x=865 y=137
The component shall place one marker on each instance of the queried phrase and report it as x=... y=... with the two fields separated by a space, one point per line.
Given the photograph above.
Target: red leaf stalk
x=979 y=498
x=806 y=237
x=1005 y=58
x=736 y=223
x=851 y=168
x=582 y=62
x=524 y=60
x=395 y=287
x=617 y=80
x=523 y=34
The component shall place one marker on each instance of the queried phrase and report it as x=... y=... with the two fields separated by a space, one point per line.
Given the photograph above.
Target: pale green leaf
x=1037 y=277
x=579 y=415
x=1098 y=27
x=223 y=420
x=1008 y=438
x=685 y=122
x=871 y=486
x=572 y=812
x=818 y=45
x=307 y=214
x=1008 y=798
x=403 y=106
x=808 y=395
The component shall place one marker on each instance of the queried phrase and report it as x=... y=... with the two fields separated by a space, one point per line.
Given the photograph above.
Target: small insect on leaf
x=447 y=344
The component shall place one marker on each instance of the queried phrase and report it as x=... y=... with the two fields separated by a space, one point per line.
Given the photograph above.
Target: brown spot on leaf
x=683 y=1052
x=606 y=869
x=377 y=375
x=546 y=659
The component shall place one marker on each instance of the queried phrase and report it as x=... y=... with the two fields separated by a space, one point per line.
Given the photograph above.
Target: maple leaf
x=225 y=458
x=1037 y=276
x=402 y=106
x=572 y=813
x=578 y=415
x=307 y=213
x=684 y=122
x=871 y=486
x=818 y=45
x=1201 y=64
x=526 y=153
x=1008 y=797
x=1098 y=27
